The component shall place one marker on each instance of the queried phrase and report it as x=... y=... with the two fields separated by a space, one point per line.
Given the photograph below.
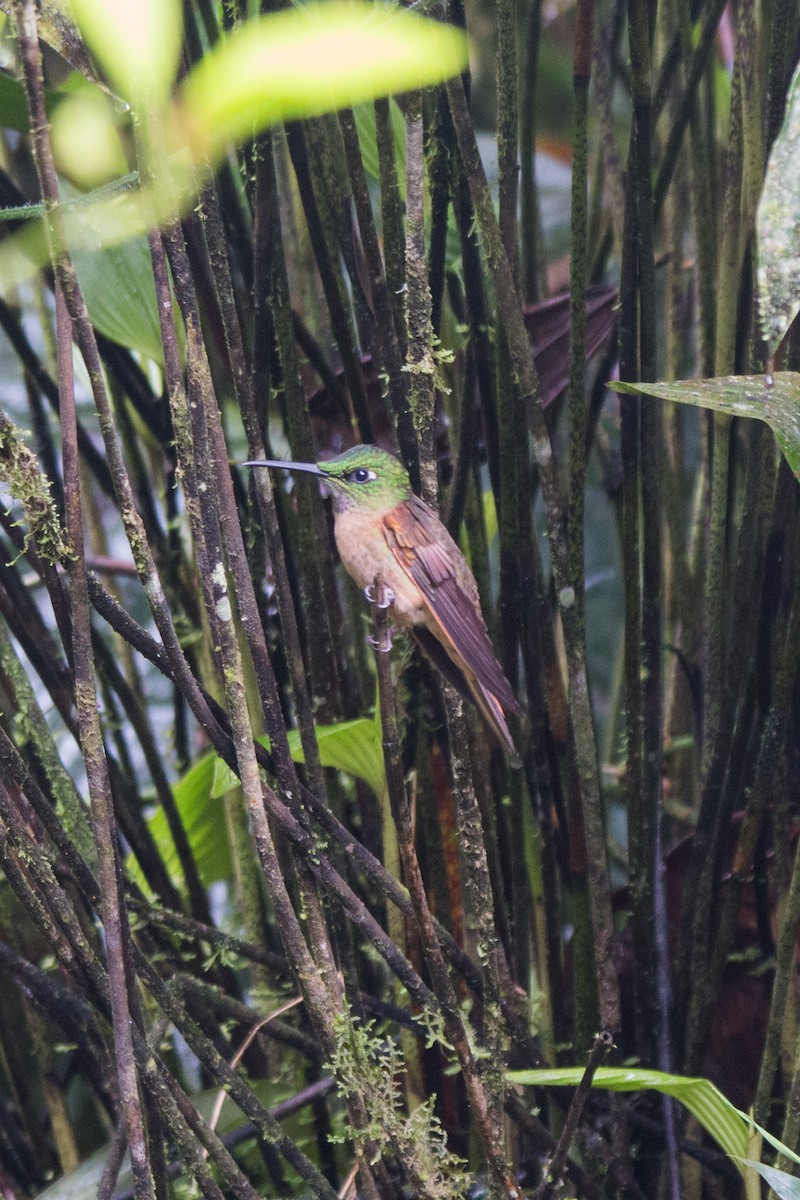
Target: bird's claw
x=384 y=599
x=382 y=644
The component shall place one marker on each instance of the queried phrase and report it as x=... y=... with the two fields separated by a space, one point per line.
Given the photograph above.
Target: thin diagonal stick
x=602 y=1043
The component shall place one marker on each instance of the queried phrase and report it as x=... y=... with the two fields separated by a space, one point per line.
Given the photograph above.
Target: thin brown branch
x=554 y=1169
x=455 y=1031
x=68 y=298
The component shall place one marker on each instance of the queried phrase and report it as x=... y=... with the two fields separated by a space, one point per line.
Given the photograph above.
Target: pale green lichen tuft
x=368 y=1066
x=19 y=470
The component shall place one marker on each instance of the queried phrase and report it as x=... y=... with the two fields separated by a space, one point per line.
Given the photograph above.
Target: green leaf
x=740 y=396
x=204 y=821
x=115 y=275
x=224 y=779
x=13 y=105
x=354 y=747
x=490 y=515
x=368 y=140
x=138 y=44
x=717 y=1115
x=778 y=228
x=83 y=1183
x=307 y=61
x=117 y=285
x=86 y=141
x=296 y=63
x=729 y=1127
x=785 y=1186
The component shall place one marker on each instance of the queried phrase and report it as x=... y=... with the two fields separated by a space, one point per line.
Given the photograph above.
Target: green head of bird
x=364 y=477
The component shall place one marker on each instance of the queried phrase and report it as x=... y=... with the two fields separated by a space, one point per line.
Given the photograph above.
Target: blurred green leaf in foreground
x=279 y=67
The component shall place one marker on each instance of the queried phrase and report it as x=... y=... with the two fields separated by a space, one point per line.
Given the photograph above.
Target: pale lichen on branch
x=20 y=471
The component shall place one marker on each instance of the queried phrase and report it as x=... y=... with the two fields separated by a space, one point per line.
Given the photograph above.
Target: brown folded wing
x=422 y=546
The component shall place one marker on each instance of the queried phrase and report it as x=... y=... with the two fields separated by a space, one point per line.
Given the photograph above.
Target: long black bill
x=309 y=468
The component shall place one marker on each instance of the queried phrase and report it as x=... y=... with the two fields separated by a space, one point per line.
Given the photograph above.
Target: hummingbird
x=382 y=528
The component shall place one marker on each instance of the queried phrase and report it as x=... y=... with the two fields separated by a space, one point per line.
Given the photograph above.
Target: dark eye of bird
x=361 y=475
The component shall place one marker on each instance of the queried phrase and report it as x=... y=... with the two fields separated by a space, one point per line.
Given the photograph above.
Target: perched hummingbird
x=381 y=527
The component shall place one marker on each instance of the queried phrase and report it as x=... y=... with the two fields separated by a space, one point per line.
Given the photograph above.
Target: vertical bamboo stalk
x=532 y=258
x=420 y=363
x=744 y=147
x=508 y=128
x=483 y=1111
x=71 y=309
x=392 y=212
x=645 y=674
x=526 y=381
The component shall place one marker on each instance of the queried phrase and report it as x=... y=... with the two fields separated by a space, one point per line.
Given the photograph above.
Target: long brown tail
x=495 y=718
x=489 y=706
